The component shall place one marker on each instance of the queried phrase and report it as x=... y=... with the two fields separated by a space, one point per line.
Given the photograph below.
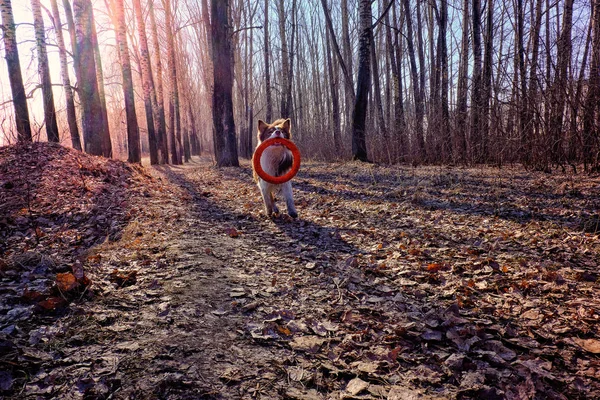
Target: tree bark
x=64 y=72
x=95 y=133
x=417 y=92
x=163 y=143
x=591 y=115
x=460 y=131
x=174 y=115
x=11 y=52
x=133 y=130
x=150 y=102
x=564 y=50
x=363 y=84
x=44 y=73
x=223 y=122
x=102 y=93
x=269 y=112
x=476 y=143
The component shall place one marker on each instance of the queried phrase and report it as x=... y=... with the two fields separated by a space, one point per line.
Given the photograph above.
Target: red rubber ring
x=276 y=179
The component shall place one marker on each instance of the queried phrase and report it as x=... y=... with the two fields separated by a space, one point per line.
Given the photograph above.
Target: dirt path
x=394 y=283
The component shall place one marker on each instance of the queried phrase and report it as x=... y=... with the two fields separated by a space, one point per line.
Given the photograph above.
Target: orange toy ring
x=276 y=179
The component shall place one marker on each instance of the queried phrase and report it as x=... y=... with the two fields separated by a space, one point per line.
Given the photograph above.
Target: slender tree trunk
x=269 y=112
x=163 y=143
x=150 y=102
x=174 y=124
x=477 y=145
x=486 y=95
x=377 y=98
x=460 y=131
x=444 y=88
x=395 y=55
x=95 y=133
x=285 y=108
x=64 y=72
x=591 y=115
x=44 y=73
x=347 y=54
x=531 y=100
x=100 y=75
x=133 y=130
x=223 y=121
x=564 y=49
x=335 y=100
x=363 y=85
x=417 y=92
x=521 y=90
x=14 y=72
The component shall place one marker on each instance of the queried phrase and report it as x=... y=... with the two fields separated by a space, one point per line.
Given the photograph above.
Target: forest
x=467 y=83
x=446 y=232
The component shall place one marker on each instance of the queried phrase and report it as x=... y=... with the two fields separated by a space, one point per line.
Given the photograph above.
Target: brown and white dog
x=276 y=160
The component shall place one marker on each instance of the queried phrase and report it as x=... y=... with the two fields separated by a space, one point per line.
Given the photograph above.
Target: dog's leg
x=267 y=197
x=275 y=208
x=286 y=191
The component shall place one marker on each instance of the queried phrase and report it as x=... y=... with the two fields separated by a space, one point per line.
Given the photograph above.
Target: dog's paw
x=293 y=214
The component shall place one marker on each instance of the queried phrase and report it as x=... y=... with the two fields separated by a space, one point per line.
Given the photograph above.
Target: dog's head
x=281 y=128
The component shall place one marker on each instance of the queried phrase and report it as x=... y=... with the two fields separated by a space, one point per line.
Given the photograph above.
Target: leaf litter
x=395 y=282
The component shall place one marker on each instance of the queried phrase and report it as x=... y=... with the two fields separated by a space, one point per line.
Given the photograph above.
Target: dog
x=276 y=160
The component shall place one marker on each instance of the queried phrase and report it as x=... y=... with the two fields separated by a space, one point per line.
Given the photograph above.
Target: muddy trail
x=168 y=282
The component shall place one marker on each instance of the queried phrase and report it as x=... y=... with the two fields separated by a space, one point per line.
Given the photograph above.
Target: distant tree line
x=462 y=82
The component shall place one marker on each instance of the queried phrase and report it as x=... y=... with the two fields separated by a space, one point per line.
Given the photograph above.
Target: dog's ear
x=287 y=127
x=262 y=126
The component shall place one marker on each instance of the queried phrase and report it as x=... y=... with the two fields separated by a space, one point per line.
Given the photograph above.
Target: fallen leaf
x=591 y=345
x=356 y=385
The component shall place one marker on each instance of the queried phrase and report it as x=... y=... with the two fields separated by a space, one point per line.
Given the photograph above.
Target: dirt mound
x=55 y=204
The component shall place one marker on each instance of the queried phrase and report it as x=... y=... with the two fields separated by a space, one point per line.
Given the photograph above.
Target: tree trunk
x=147 y=82
x=443 y=57
x=95 y=133
x=591 y=115
x=347 y=54
x=133 y=130
x=163 y=143
x=476 y=144
x=395 y=55
x=64 y=72
x=335 y=100
x=44 y=73
x=486 y=94
x=14 y=73
x=174 y=121
x=417 y=92
x=223 y=121
x=285 y=64
x=100 y=75
x=531 y=100
x=460 y=131
x=363 y=85
x=564 y=49
x=377 y=97
x=269 y=112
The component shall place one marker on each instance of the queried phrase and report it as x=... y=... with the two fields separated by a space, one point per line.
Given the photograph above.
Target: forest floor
x=169 y=282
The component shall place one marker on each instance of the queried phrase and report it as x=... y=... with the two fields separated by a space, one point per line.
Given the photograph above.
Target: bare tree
x=133 y=130
x=223 y=122
x=19 y=98
x=363 y=84
x=163 y=145
x=174 y=114
x=44 y=73
x=269 y=112
x=95 y=134
x=591 y=116
x=64 y=72
x=147 y=82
